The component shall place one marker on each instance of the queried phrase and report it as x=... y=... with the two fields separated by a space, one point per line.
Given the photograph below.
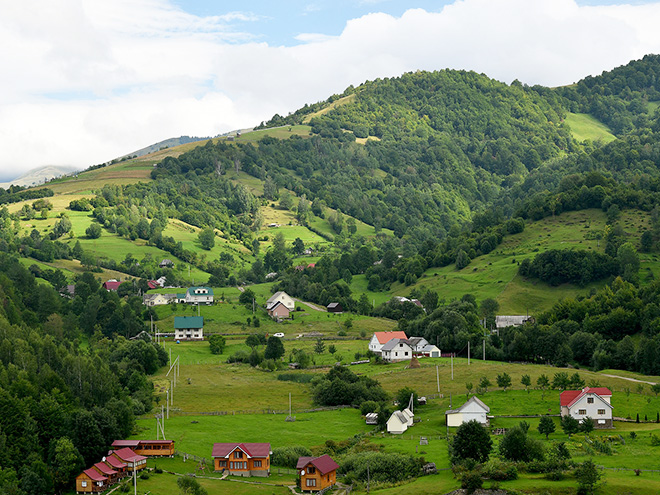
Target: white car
x=278 y=334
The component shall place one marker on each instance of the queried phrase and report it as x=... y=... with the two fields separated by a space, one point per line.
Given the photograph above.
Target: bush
x=295 y=377
x=288 y=456
x=368 y=406
x=144 y=475
x=383 y=467
x=471 y=481
x=500 y=471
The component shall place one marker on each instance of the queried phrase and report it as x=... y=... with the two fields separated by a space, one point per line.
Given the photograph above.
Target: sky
x=86 y=81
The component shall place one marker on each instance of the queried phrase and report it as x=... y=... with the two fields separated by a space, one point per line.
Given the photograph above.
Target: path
x=313 y=306
x=626 y=378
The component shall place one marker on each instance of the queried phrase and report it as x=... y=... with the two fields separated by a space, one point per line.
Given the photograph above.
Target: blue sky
x=86 y=81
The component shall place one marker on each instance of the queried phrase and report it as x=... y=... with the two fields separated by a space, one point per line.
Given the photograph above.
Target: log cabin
x=242 y=459
x=90 y=481
x=317 y=473
x=148 y=448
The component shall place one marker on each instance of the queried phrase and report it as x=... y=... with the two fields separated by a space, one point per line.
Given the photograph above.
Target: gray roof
x=392 y=343
x=276 y=295
x=400 y=416
x=474 y=399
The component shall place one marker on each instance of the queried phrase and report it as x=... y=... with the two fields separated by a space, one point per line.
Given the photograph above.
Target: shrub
x=295 y=377
x=288 y=456
x=368 y=406
x=471 y=481
x=500 y=471
x=383 y=467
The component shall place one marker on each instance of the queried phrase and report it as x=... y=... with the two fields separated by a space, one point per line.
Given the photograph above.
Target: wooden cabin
x=242 y=459
x=104 y=470
x=317 y=473
x=90 y=481
x=117 y=465
x=147 y=448
x=132 y=460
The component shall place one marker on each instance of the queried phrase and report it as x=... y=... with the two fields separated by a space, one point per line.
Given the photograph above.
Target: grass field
x=584 y=126
x=283 y=132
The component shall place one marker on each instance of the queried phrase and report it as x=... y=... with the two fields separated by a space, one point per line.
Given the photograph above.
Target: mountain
x=38 y=176
x=167 y=143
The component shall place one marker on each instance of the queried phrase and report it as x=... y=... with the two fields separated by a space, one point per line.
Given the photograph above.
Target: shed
x=335 y=307
x=473 y=409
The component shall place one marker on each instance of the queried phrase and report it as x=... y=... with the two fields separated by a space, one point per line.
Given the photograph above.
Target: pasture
x=584 y=126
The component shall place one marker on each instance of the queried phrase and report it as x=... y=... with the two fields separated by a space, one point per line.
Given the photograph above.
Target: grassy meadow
x=584 y=126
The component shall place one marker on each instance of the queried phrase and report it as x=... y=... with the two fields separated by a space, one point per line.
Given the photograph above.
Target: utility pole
x=484 y=348
x=168 y=403
x=452 y=365
x=437 y=376
x=468 y=353
x=368 y=477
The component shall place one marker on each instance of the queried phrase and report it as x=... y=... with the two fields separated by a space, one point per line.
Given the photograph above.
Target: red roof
x=152 y=284
x=385 y=337
x=125 y=443
x=324 y=464
x=569 y=397
x=127 y=454
x=111 y=285
x=94 y=475
x=115 y=463
x=251 y=449
x=104 y=468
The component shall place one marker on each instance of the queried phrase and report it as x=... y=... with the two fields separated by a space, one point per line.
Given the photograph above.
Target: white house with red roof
x=242 y=459
x=594 y=402
x=379 y=339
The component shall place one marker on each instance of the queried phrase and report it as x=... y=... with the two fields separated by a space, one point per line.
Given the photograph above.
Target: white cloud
x=148 y=71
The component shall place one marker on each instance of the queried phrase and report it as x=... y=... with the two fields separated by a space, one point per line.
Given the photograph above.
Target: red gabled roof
x=324 y=464
x=152 y=284
x=111 y=285
x=94 y=475
x=251 y=449
x=104 y=468
x=115 y=463
x=385 y=337
x=156 y=442
x=127 y=454
x=569 y=397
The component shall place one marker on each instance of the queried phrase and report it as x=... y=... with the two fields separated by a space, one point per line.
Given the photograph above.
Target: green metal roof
x=191 y=291
x=188 y=322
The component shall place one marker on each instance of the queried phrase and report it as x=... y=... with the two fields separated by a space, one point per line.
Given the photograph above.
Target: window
x=582 y=411
x=238 y=465
x=83 y=484
x=590 y=400
x=257 y=463
x=311 y=470
x=238 y=454
x=311 y=482
x=601 y=411
x=406 y=353
x=222 y=463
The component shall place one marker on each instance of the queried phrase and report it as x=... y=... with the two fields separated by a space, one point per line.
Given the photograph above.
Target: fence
x=256 y=411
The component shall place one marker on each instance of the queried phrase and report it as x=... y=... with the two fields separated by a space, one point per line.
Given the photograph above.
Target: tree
x=543 y=382
x=332 y=348
x=274 y=348
x=206 y=238
x=560 y=380
x=298 y=246
x=468 y=388
x=319 y=347
x=190 y=486
x=546 y=426
x=503 y=380
x=67 y=462
x=570 y=425
x=255 y=339
x=462 y=260
x=576 y=382
x=487 y=310
x=628 y=261
x=93 y=231
x=587 y=425
x=587 y=476
x=484 y=383
x=217 y=343
x=246 y=297
x=403 y=397
x=472 y=441
x=655 y=388
x=513 y=445
x=286 y=201
x=646 y=242
x=526 y=381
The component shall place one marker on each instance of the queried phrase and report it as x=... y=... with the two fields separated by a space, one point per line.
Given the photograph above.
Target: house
x=199 y=295
x=594 y=402
x=133 y=461
x=68 y=291
x=104 y=470
x=335 y=307
x=379 y=339
x=473 y=409
x=148 y=448
x=429 y=350
x=90 y=481
x=317 y=473
x=278 y=311
x=397 y=350
x=242 y=459
x=284 y=298
x=512 y=321
x=401 y=300
x=372 y=418
x=111 y=285
x=189 y=327
x=417 y=344
x=398 y=423
x=158 y=299
x=116 y=465
x=166 y=263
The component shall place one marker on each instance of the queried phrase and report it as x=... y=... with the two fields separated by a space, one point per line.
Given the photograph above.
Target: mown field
x=208 y=384
x=584 y=126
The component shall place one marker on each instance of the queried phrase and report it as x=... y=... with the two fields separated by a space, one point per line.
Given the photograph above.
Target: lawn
x=584 y=126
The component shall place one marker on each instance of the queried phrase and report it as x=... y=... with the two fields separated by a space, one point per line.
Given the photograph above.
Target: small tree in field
x=587 y=425
x=319 y=347
x=503 y=380
x=546 y=426
x=543 y=382
x=468 y=388
x=587 y=475
x=570 y=425
x=472 y=441
x=526 y=381
x=655 y=388
x=484 y=383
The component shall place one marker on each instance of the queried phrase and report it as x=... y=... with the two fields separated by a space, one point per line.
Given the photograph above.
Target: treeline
x=559 y=266
x=18 y=193
x=61 y=404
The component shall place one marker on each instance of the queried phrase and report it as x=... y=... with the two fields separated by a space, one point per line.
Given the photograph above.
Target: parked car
x=278 y=334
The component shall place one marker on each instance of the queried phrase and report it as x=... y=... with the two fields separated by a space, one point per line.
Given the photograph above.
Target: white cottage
x=594 y=402
x=281 y=297
x=474 y=408
x=397 y=350
x=398 y=423
x=199 y=295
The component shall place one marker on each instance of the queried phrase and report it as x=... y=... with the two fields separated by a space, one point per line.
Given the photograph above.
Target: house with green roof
x=199 y=295
x=189 y=327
